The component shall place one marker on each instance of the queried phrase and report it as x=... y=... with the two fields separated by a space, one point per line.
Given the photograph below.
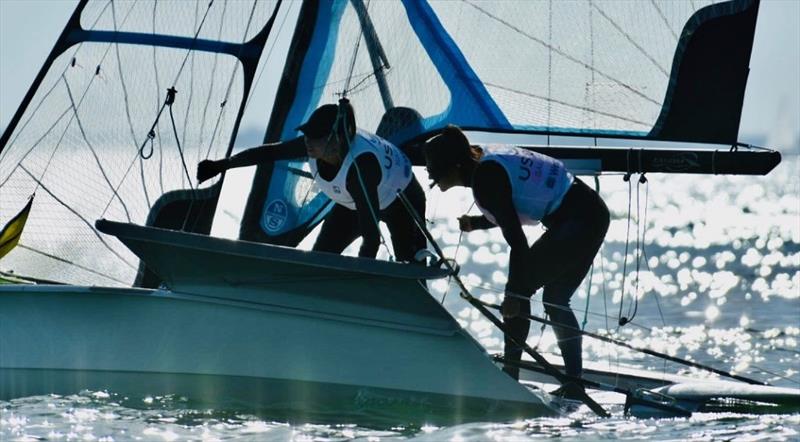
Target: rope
x=80 y=217
x=170 y=100
x=638 y=349
x=565 y=55
x=341 y=122
x=620 y=319
x=131 y=130
x=455 y=257
x=588 y=297
x=44 y=98
x=74 y=264
x=550 y=369
x=93 y=151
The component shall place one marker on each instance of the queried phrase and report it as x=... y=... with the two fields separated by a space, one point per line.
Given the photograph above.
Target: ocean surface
x=713 y=261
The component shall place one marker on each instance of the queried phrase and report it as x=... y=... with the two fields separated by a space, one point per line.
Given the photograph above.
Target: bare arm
x=493 y=192
x=286 y=150
x=469 y=223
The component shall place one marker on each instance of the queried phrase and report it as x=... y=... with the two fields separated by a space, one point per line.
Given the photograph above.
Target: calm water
x=718 y=282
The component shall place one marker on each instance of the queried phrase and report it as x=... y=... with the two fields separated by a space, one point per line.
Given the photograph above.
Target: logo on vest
x=275 y=215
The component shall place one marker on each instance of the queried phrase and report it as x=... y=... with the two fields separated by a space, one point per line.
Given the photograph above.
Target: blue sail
x=656 y=71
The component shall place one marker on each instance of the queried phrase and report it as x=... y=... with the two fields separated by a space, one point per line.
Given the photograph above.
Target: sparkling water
x=717 y=282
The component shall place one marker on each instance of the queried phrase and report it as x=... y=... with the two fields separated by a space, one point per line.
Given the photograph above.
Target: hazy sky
x=29 y=28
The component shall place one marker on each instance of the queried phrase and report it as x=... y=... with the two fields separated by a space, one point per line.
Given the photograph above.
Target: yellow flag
x=9 y=236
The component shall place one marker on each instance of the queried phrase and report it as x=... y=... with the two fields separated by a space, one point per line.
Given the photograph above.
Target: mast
x=250 y=228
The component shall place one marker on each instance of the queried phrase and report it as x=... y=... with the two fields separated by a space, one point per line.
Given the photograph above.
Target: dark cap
x=321 y=121
x=444 y=152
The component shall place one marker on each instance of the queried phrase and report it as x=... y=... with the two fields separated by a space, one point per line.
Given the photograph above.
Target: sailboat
x=118 y=286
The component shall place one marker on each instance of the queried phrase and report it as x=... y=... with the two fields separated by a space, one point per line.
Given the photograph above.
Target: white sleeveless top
x=395 y=170
x=538 y=182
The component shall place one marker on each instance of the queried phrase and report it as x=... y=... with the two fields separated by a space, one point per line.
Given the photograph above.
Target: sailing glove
x=209 y=169
x=511 y=304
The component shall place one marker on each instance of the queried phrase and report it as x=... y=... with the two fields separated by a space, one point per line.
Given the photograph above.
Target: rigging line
x=35 y=110
x=564 y=103
x=637 y=254
x=354 y=58
x=664 y=19
x=567 y=308
x=36 y=143
x=565 y=55
x=180 y=149
x=644 y=250
x=55 y=83
x=127 y=102
x=194 y=39
x=360 y=76
x=620 y=319
x=190 y=95
x=455 y=258
x=85 y=91
x=85 y=221
x=646 y=351
x=588 y=297
x=591 y=96
x=93 y=151
x=602 y=254
x=341 y=123
x=222 y=112
x=223 y=107
x=211 y=86
x=66 y=128
x=158 y=102
x=736 y=147
x=358 y=88
x=347 y=91
x=786 y=378
x=549 y=62
x=127 y=171
x=603 y=274
x=549 y=304
x=264 y=59
x=550 y=369
x=631 y=40
x=66 y=261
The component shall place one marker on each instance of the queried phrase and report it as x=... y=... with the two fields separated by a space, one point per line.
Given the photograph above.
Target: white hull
x=270 y=345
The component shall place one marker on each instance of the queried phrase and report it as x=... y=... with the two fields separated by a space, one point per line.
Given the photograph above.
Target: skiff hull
x=361 y=344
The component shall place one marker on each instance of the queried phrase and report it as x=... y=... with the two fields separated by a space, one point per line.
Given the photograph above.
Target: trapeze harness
x=542 y=190
x=395 y=171
x=387 y=170
x=538 y=182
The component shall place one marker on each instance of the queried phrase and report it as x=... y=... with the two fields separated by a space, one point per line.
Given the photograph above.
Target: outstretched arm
x=469 y=223
x=286 y=150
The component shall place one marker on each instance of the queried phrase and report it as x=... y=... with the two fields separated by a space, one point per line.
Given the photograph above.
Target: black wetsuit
x=557 y=261
x=343 y=225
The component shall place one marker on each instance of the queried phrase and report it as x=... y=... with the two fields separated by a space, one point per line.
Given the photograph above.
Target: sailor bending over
x=359 y=171
x=512 y=187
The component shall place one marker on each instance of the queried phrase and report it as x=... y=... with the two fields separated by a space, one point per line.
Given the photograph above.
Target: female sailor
x=512 y=187
x=361 y=172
